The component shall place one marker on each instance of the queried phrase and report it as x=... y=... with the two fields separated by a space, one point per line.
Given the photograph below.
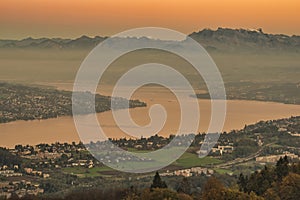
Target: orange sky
x=73 y=18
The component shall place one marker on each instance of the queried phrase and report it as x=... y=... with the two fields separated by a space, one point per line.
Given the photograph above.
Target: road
x=242 y=160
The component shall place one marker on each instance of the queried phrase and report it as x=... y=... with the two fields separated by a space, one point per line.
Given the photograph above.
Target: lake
x=62 y=129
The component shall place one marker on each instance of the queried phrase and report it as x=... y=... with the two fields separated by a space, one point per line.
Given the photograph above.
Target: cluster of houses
x=6 y=172
x=82 y=163
x=41 y=155
x=32 y=172
x=51 y=154
x=9 y=173
x=194 y=171
x=275 y=158
x=19 y=189
x=152 y=143
x=288 y=125
x=47 y=151
x=118 y=157
x=222 y=149
x=35 y=103
x=218 y=150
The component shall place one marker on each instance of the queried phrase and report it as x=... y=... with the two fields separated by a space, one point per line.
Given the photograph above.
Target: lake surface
x=62 y=129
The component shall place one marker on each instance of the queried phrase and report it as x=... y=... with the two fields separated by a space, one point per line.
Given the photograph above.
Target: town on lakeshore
x=51 y=168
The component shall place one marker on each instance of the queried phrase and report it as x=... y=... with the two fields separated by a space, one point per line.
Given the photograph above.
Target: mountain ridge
x=221 y=39
x=246 y=38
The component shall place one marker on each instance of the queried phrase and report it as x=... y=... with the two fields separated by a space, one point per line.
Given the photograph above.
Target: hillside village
x=27 y=169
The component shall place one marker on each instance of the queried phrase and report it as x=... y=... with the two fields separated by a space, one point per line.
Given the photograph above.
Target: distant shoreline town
x=20 y=102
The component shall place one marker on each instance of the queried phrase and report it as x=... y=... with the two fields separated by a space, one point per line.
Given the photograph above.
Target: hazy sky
x=73 y=18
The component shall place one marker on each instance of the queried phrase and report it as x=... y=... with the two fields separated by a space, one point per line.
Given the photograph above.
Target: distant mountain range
x=238 y=39
x=58 y=43
x=222 y=39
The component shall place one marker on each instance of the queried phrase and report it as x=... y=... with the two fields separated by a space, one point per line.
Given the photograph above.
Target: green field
x=192 y=160
x=223 y=171
x=85 y=172
x=187 y=160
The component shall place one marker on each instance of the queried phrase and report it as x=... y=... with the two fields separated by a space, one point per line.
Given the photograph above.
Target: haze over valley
x=254 y=65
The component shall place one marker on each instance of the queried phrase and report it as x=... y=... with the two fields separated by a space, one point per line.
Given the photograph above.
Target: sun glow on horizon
x=66 y=18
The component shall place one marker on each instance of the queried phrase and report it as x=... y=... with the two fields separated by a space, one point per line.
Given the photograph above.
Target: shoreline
x=62 y=129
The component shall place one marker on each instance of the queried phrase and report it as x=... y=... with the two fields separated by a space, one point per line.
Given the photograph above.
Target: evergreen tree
x=157 y=182
x=184 y=186
x=282 y=168
x=242 y=183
